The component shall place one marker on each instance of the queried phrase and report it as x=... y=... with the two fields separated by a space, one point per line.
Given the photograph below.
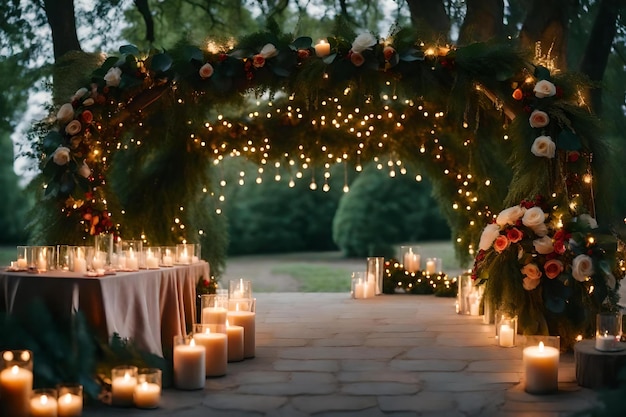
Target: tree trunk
x=62 y=22
x=547 y=23
x=484 y=19
x=430 y=18
x=596 y=54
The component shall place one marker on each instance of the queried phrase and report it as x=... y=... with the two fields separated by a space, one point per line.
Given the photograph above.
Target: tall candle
x=245 y=319
x=132 y=262
x=214 y=315
x=235 y=342
x=16 y=385
x=216 y=347
x=506 y=337
x=123 y=389
x=43 y=406
x=42 y=263
x=189 y=366
x=412 y=261
x=359 y=289
x=70 y=405
x=541 y=367
x=147 y=395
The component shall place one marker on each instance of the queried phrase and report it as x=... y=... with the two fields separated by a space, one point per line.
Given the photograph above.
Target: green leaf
x=303 y=42
x=50 y=170
x=411 y=55
x=53 y=140
x=193 y=53
x=329 y=59
x=129 y=50
x=161 y=62
x=567 y=140
x=542 y=73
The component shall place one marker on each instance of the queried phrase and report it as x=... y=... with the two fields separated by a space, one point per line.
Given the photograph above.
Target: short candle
x=147 y=395
x=70 y=405
x=541 y=368
x=123 y=389
x=43 y=406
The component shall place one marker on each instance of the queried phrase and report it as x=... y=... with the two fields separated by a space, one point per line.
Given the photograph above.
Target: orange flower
x=501 y=243
x=388 y=52
x=258 y=61
x=518 y=94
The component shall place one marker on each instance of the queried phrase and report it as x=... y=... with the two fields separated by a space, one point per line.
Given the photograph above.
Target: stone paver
x=326 y=355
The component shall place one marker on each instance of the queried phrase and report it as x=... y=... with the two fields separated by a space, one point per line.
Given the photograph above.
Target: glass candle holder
x=240 y=288
x=506 y=329
x=214 y=309
x=184 y=253
x=43 y=403
x=104 y=249
x=609 y=332
x=410 y=258
x=70 y=400
x=167 y=255
x=215 y=341
x=246 y=318
x=547 y=340
x=151 y=257
x=357 y=285
x=374 y=272
x=148 y=389
x=433 y=266
x=189 y=363
x=42 y=258
x=123 y=383
x=63 y=257
x=16 y=383
x=23 y=255
x=197 y=251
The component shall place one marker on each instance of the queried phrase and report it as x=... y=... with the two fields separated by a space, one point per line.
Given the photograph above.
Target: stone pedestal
x=596 y=369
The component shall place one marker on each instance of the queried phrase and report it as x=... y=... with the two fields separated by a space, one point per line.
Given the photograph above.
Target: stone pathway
x=325 y=354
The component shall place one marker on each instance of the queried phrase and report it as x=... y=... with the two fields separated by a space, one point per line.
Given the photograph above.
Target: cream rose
x=65 y=113
x=540 y=230
x=530 y=284
x=588 y=221
x=490 y=233
x=531 y=271
x=84 y=170
x=544 y=88
x=206 y=70
x=88 y=102
x=73 y=128
x=582 y=267
x=510 y=215
x=533 y=217
x=113 y=77
x=539 y=118
x=543 y=146
x=79 y=93
x=543 y=245
x=363 y=41
x=61 y=155
x=268 y=51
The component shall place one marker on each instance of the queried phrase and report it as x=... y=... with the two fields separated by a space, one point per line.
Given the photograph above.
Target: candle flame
x=227 y=323
x=207 y=331
x=540 y=346
x=15 y=369
x=44 y=399
x=144 y=386
x=192 y=343
x=67 y=398
x=126 y=376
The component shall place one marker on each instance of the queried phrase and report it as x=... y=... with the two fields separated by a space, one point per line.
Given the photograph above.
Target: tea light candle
x=431 y=266
x=167 y=258
x=123 y=389
x=97 y=263
x=147 y=395
x=359 y=289
x=541 y=367
x=606 y=342
x=247 y=320
x=70 y=405
x=16 y=385
x=506 y=336
x=151 y=261
x=189 y=366
x=215 y=345
x=322 y=49
x=235 y=342
x=43 y=405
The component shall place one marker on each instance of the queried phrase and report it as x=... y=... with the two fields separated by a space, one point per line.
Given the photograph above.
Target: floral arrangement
x=554 y=269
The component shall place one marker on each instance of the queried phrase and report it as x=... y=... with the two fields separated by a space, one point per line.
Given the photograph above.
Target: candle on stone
x=70 y=405
x=123 y=385
x=147 y=395
x=189 y=364
x=322 y=49
x=43 y=404
x=246 y=319
x=541 y=368
x=235 y=342
x=16 y=385
x=216 y=347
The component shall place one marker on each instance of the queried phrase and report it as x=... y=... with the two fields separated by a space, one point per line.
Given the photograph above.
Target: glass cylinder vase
x=374 y=272
x=609 y=332
x=410 y=258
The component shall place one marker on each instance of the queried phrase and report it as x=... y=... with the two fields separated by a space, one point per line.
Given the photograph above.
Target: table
x=148 y=306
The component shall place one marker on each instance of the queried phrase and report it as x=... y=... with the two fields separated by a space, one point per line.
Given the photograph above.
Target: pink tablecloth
x=148 y=306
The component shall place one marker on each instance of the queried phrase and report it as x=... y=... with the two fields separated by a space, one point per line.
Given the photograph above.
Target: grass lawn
x=316 y=278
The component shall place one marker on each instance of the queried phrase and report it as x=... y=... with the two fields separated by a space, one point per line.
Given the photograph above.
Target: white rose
x=582 y=267
x=74 y=127
x=543 y=147
x=113 y=76
x=539 y=118
x=490 y=233
x=79 y=93
x=510 y=215
x=363 y=41
x=533 y=217
x=61 y=155
x=540 y=230
x=84 y=170
x=588 y=221
x=268 y=51
x=88 y=102
x=530 y=284
x=544 y=88
x=65 y=113
x=206 y=70
x=543 y=245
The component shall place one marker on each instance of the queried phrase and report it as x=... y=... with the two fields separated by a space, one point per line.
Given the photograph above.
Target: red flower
x=303 y=53
x=559 y=247
x=573 y=156
x=86 y=116
x=222 y=57
x=514 y=235
x=258 y=61
x=518 y=94
x=501 y=243
x=553 y=268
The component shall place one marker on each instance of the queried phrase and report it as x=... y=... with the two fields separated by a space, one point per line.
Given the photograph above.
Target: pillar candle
x=22 y=264
x=235 y=342
x=16 y=385
x=431 y=267
x=215 y=345
x=70 y=405
x=322 y=49
x=359 y=289
x=541 y=367
x=147 y=395
x=506 y=337
x=214 y=315
x=245 y=319
x=189 y=366
x=43 y=406
x=122 y=390
x=132 y=262
x=80 y=265
x=412 y=261
x=152 y=262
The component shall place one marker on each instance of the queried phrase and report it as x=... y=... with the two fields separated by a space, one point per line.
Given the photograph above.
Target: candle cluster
x=131 y=386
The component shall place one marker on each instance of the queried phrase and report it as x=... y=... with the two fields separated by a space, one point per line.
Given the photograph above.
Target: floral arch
x=489 y=126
